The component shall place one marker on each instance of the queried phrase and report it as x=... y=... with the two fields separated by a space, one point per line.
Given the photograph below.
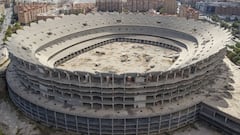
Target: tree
x=224 y=25
x=215 y=18
x=236 y=25
x=238 y=45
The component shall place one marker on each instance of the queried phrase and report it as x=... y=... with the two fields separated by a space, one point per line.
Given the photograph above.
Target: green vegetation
x=215 y=18
x=1 y=132
x=233 y=53
x=11 y=29
x=234 y=27
x=1 y=21
x=161 y=10
x=223 y=24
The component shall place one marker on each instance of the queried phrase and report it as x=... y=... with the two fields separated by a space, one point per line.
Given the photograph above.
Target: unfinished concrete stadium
x=117 y=73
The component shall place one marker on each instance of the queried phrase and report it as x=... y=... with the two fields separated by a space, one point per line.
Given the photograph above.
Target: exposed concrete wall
x=2 y=84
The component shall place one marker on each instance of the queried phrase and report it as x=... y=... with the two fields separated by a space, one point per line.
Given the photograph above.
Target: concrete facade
x=106 y=102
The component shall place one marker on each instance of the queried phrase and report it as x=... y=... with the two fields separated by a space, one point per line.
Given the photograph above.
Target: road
x=6 y=23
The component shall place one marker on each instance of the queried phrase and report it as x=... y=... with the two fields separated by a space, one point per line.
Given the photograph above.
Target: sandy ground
x=12 y=124
x=123 y=57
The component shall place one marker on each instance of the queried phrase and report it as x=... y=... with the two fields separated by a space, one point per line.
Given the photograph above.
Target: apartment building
x=27 y=12
x=188 y=12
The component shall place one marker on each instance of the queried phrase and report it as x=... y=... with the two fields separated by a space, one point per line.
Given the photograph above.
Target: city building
x=128 y=5
x=77 y=7
x=219 y=8
x=188 y=12
x=89 y=74
x=27 y=12
x=143 y=5
x=2 y=8
x=6 y=3
x=109 y=5
x=45 y=16
x=170 y=6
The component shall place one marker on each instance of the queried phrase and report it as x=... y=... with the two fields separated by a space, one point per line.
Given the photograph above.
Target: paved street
x=6 y=23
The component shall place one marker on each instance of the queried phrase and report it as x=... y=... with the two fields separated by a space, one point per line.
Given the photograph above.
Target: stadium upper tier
x=51 y=43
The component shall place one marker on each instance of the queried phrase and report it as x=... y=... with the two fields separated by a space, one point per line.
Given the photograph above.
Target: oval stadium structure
x=114 y=73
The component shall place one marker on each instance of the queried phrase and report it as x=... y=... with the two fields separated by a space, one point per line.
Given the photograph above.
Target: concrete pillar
x=149 y=125
x=100 y=126
x=65 y=122
x=76 y=124
x=79 y=78
x=174 y=74
x=169 y=124
x=46 y=116
x=137 y=127
x=55 y=118
x=182 y=73
x=107 y=79
x=88 y=126
x=113 y=81
x=112 y=127
x=101 y=80
x=59 y=77
x=50 y=73
x=67 y=76
x=166 y=76
x=195 y=70
x=159 y=127
x=179 y=115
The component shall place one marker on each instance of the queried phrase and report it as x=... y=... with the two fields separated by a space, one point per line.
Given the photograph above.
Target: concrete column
x=137 y=127
x=76 y=121
x=88 y=126
x=65 y=121
x=182 y=73
x=101 y=81
x=169 y=124
x=195 y=70
x=113 y=81
x=174 y=74
x=225 y=120
x=179 y=115
x=159 y=127
x=148 y=126
x=55 y=117
x=189 y=70
x=50 y=73
x=90 y=80
x=46 y=116
x=67 y=76
x=112 y=127
x=79 y=78
x=100 y=126
x=59 y=77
